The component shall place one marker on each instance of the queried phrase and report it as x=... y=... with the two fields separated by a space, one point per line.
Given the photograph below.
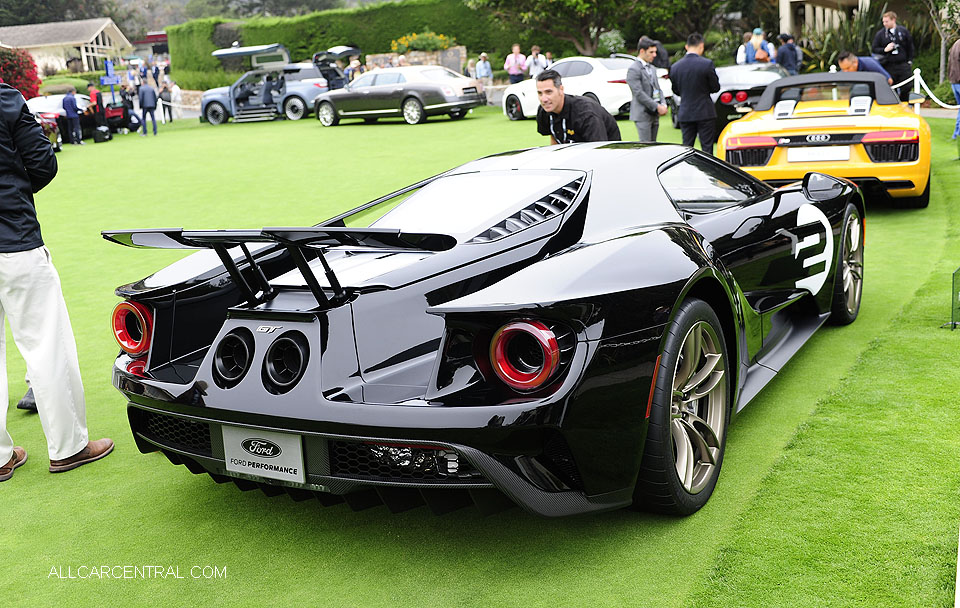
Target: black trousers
x=705 y=129
x=900 y=72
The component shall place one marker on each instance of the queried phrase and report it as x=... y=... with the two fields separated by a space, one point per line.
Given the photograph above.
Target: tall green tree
x=282 y=8
x=582 y=21
x=945 y=15
x=578 y=21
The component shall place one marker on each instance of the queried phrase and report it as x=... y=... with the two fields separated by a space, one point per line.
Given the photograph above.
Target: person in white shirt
x=535 y=63
x=176 y=98
x=742 y=51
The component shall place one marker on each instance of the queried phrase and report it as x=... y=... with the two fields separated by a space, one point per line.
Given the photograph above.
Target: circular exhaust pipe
x=285 y=362
x=232 y=358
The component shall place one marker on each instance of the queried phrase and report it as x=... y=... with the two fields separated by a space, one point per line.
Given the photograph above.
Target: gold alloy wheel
x=698 y=407
x=852 y=269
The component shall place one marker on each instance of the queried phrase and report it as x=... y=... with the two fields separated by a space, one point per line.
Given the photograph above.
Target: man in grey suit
x=646 y=106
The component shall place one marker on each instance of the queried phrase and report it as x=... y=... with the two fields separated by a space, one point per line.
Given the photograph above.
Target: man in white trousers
x=30 y=296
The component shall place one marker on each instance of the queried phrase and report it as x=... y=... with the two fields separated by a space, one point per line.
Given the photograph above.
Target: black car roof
x=884 y=95
x=583 y=156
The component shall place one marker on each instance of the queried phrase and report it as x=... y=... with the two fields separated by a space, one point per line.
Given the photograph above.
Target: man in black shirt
x=893 y=46
x=571 y=118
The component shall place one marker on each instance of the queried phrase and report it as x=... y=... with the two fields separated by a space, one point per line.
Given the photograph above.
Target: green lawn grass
x=815 y=505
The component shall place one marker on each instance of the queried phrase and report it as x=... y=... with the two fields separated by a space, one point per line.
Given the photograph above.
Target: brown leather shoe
x=95 y=450
x=19 y=457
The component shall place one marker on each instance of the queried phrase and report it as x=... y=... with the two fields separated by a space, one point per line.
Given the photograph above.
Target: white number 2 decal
x=808 y=214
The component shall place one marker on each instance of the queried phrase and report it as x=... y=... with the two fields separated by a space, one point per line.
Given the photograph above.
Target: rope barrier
x=947 y=106
x=900 y=84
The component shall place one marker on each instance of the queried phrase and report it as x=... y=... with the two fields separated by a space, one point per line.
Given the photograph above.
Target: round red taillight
x=132 y=326
x=524 y=354
x=741 y=96
x=726 y=97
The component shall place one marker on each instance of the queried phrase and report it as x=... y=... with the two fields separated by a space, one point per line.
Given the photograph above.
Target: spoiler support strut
x=294 y=240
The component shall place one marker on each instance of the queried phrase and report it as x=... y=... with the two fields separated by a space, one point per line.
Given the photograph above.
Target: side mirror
x=821 y=187
x=916 y=98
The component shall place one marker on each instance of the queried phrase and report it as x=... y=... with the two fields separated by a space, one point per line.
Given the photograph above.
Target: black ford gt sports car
x=568 y=328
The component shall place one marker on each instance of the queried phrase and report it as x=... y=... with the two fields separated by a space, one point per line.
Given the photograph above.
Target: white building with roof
x=52 y=45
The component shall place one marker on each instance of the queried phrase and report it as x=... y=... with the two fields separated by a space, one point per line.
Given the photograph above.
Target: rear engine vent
x=285 y=362
x=174 y=432
x=397 y=462
x=232 y=357
x=749 y=157
x=893 y=152
x=557 y=457
x=469 y=90
x=547 y=207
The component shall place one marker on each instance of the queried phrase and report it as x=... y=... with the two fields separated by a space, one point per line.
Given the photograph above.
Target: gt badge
x=268 y=329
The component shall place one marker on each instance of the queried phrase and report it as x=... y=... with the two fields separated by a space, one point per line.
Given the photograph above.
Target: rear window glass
x=700 y=182
x=465 y=205
x=440 y=74
x=390 y=78
x=737 y=76
x=301 y=74
x=826 y=91
x=616 y=63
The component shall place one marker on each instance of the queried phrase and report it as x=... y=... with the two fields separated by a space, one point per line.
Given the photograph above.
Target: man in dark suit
x=694 y=77
x=894 y=45
x=646 y=106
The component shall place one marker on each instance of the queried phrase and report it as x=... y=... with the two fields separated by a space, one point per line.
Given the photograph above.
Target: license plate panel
x=818 y=153
x=263 y=453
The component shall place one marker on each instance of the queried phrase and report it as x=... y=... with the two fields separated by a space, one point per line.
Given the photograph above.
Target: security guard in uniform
x=571 y=118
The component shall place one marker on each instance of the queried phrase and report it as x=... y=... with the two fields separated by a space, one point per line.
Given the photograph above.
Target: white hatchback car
x=601 y=78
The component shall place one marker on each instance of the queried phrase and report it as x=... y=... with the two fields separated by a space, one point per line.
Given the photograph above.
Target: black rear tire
x=848 y=276
x=676 y=414
x=514 y=109
x=412 y=111
x=215 y=113
x=327 y=114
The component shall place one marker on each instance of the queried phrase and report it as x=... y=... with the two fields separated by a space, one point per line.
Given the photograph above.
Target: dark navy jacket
x=694 y=78
x=148 y=98
x=869 y=64
x=27 y=164
x=787 y=57
x=70 y=106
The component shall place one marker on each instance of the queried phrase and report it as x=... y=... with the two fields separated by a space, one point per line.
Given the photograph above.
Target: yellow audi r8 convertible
x=848 y=124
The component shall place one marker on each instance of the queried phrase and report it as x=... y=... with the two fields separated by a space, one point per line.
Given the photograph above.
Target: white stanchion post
x=916 y=89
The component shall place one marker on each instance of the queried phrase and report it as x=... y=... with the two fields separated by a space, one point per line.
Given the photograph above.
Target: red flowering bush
x=19 y=71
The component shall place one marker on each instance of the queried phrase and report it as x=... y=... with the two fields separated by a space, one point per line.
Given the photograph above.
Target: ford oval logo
x=818 y=137
x=260 y=448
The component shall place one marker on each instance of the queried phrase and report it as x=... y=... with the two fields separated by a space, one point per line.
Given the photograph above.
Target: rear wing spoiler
x=299 y=243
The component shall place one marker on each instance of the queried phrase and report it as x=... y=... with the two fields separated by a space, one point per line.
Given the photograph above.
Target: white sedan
x=602 y=78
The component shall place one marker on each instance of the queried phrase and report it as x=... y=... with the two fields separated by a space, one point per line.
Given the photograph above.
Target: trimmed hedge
x=191 y=43
x=370 y=27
